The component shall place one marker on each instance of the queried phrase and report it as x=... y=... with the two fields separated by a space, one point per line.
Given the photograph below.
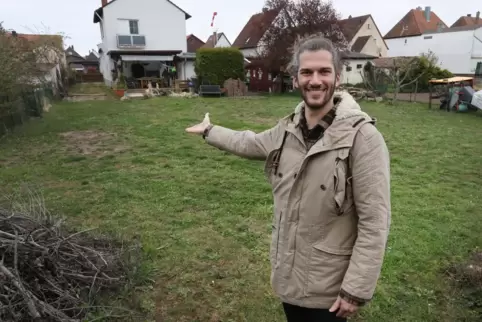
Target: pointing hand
x=199 y=128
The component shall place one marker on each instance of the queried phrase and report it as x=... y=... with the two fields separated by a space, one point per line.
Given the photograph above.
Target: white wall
x=106 y=64
x=353 y=77
x=457 y=51
x=376 y=44
x=185 y=69
x=163 y=25
x=223 y=42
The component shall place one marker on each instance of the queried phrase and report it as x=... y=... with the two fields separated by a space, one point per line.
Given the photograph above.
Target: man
x=329 y=169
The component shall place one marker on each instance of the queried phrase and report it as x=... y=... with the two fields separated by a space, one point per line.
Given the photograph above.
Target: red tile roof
x=255 y=29
x=193 y=43
x=350 y=26
x=467 y=21
x=414 y=24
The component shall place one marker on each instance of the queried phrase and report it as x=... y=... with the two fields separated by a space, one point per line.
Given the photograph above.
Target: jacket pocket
x=326 y=271
x=271 y=166
x=275 y=239
x=342 y=183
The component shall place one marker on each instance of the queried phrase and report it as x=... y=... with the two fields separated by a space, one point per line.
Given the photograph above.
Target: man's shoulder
x=369 y=135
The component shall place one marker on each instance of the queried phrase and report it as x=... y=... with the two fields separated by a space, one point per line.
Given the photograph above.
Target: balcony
x=131 y=41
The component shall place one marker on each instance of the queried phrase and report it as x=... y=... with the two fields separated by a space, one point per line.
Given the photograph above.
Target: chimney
x=477 y=17
x=469 y=15
x=215 y=39
x=427 y=14
x=104 y=2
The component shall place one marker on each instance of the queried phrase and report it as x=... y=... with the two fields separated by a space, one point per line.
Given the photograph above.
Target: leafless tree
x=298 y=19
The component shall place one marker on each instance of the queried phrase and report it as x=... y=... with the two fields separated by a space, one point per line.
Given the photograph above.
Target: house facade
x=403 y=38
x=139 y=42
x=365 y=42
x=217 y=40
x=458 y=49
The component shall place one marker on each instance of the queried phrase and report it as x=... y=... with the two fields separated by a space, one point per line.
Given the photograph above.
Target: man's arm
x=371 y=191
x=245 y=144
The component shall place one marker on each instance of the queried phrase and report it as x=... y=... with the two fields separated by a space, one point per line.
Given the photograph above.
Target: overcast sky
x=74 y=18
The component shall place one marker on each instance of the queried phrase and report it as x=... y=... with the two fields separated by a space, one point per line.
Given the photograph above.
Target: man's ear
x=337 y=80
x=295 y=82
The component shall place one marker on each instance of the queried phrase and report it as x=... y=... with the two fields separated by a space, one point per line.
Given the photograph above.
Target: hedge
x=213 y=66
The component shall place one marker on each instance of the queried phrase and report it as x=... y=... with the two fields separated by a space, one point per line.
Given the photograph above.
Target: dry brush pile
x=49 y=273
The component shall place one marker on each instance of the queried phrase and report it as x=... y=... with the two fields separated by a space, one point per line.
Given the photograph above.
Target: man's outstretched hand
x=199 y=128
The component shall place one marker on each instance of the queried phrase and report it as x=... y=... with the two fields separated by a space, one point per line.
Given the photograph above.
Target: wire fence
x=15 y=111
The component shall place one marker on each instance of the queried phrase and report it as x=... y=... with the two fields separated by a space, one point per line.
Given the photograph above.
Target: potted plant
x=121 y=86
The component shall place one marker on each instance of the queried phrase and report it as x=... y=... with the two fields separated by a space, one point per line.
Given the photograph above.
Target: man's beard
x=327 y=98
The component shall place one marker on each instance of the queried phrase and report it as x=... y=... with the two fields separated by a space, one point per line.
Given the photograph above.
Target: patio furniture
x=210 y=90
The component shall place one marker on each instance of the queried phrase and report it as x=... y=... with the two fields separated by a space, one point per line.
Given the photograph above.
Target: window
x=368 y=26
x=427 y=37
x=348 y=68
x=134 y=27
x=359 y=66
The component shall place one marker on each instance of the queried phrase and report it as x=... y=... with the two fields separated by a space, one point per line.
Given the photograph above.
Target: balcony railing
x=131 y=41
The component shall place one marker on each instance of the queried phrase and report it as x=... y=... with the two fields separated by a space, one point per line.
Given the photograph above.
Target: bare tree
x=399 y=72
x=298 y=19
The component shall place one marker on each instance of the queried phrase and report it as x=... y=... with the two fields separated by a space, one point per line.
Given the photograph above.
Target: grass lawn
x=204 y=216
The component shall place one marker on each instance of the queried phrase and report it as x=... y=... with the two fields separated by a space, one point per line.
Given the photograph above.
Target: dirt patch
x=467 y=277
x=93 y=143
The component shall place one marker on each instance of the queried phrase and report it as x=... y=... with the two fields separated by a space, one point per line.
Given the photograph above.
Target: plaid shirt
x=311 y=136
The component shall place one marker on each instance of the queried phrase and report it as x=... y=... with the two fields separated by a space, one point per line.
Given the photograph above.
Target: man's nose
x=315 y=79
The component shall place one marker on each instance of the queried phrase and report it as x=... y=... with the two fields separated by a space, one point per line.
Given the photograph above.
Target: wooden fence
x=90 y=77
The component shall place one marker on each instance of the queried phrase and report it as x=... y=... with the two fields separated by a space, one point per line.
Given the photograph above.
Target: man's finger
x=335 y=305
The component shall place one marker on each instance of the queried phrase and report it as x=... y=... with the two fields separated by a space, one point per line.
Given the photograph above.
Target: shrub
x=216 y=65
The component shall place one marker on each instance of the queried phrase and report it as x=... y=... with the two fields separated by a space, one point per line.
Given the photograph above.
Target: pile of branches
x=48 y=273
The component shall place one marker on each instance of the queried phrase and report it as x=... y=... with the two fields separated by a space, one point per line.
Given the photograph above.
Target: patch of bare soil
x=468 y=277
x=93 y=143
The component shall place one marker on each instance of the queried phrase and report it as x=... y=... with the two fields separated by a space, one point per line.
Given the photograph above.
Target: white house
x=458 y=49
x=353 y=67
x=217 y=40
x=141 y=37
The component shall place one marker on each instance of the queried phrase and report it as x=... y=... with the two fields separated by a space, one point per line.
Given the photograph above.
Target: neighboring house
x=364 y=39
x=81 y=64
x=50 y=58
x=193 y=43
x=139 y=38
x=249 y=39
x=217 y=40
x=402 y=39
x=186 y=65
x=353 y=67
x=468 y=20
x=458 y=49
x=363 y=36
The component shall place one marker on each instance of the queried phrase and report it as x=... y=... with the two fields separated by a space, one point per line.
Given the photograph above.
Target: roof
x=467 y=21
x=415 y=24
x=360 y=43
x=55 y=40
x=91 y=57
x=351 y=25
x=193 y=43
x=73 y=55
x=255 y=29
x=355 y=55
x=389 y=62
x=99 y=12
x=453 y=29
x=455 y=79
x=209 y=42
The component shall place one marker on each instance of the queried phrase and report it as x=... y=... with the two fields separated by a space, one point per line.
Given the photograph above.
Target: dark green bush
x=215 y=65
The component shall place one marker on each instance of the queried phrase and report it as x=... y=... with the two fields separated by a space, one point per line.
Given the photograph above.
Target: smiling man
x=329 y=169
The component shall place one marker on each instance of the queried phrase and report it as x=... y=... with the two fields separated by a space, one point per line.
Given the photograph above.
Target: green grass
x=204 y=216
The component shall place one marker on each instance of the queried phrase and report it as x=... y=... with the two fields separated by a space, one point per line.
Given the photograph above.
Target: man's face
x=316 y=78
